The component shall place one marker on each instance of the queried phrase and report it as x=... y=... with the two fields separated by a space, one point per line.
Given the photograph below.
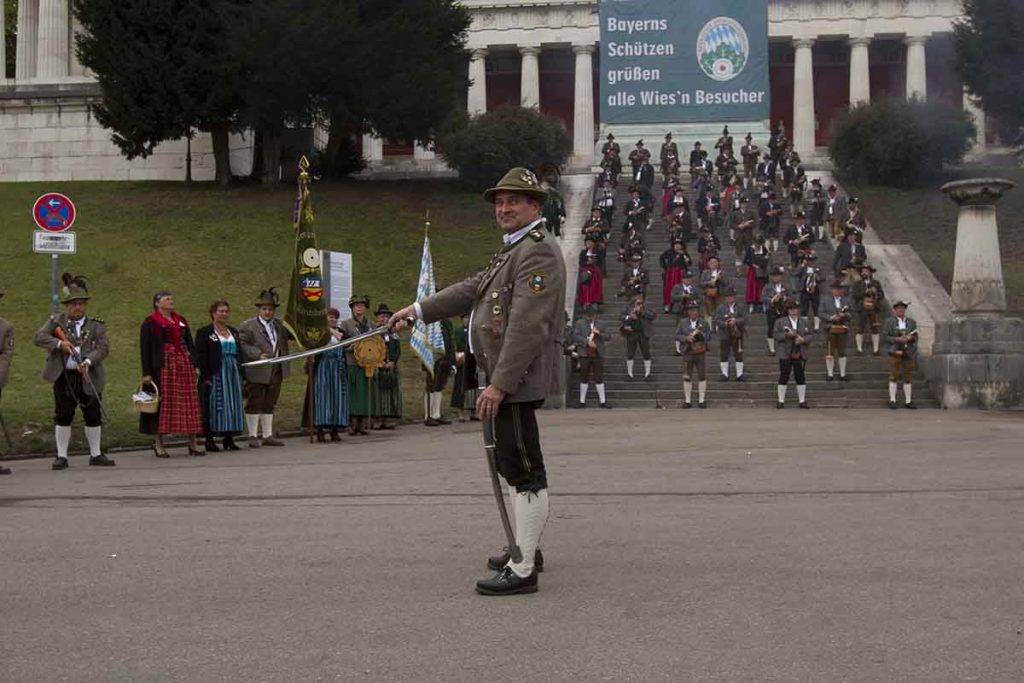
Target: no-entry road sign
x=53 y=212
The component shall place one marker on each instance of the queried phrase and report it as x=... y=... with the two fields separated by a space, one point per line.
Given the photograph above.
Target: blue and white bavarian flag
x=426 y=339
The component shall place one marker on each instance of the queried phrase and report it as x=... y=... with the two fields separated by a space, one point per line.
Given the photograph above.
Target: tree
x=896 y=142
x=990 y=53
x=162 y=70
x=481 y=149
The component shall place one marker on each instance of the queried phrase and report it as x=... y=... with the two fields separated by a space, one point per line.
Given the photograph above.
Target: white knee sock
x=687 y=391
x=629 y=368
x=600 y=393
x=512 y=508
x=801 y=392
x=739 y=368
x=267 y=423
x=531 y=513
x=829 y=366
x=92 y=435
x=62 y=435
x=817 y=323
x=842 y=366
x=702 y=387
x=725 y=368
x=875 y=339
x=859 y=339
x=678 y=348
x=647 y=368
x=782 y=392
x=253 y=423
x=907 y=392
x=892 y=392
x=732 y=233
x=771 y=345
x=583 y=392
x=435 y=404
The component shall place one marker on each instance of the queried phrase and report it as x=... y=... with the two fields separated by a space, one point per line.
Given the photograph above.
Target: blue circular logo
x=722 y=48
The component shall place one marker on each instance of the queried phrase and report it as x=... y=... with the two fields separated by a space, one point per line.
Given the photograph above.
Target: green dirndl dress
x=358 y=382
x=386 y=385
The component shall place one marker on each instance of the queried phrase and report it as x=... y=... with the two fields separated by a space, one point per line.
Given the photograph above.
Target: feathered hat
x=76 y=288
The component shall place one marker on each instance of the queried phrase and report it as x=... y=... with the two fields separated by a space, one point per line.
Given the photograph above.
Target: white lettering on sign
x=634 y=73
x=729 y=97
x=636 y=25
x=641 y=49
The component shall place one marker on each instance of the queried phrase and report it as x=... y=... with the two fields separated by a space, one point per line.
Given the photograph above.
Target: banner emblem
x=312 y=288
x=722 y=48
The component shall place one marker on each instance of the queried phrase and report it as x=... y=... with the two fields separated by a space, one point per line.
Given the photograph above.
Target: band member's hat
x=696 y=144
x=799 y=214
x=590 y=308
x=360 y=299
x=383 y=310
x=725 y=130
x=793 y=156
x=729 y=291
x=610 y=136
x=865 y=266
x=520 y=181
x=640 y=143
x=589 y=238
x=687 y=273
x=902 y=303
x=76 y=288
x=852 y=200
x=816 y=181
x=268 y=297
x=833 y=188
x=637 y=255
x=668 y=136
x=759 y=239
x=675 y=242
x=791 y=304
x=749 y=137
x=634 y=188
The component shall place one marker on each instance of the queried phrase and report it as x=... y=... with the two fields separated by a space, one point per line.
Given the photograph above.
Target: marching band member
x=799 y=239
x=635 y=277
x=836 y=212
x=724 y=143
x=386 y=385
x=638 y=328
x=743 y=225
x=696 y=164
x=260 y=337
x=669 y=154
x=901 y=344
x=749 y=152
x=848 y=253
x=867 y=296
x=770 y=212
x=817 y=215
x=811 y=278
x=712 y=281
x=756 y=258
x=358 y=382
x=590 y=344
x=674 y=262
x=637 y=158
x=774 y=298
x=792 y=337
x=692 y=337
x=730 y=325
x=835 y=311
x=683 y=293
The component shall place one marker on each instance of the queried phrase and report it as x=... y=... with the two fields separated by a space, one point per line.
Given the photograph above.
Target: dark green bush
x=483 y=148
x=899 y=142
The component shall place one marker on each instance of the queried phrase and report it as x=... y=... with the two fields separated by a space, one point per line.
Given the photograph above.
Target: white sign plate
x=54 y=242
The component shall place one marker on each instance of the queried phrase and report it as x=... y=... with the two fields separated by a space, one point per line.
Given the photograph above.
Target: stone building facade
x=824 y=55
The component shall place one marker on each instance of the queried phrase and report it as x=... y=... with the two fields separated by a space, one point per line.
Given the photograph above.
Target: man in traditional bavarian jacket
x=867 y=296
x=517 y=311
x=900 y=334
x=730 y=325
x=76 y=347
x=774 y=297
x=6 y=353
x=263 y=336
x=693 y=336
x=589 y=338
x=792 y=337
x=637 y=326
x=836 y=315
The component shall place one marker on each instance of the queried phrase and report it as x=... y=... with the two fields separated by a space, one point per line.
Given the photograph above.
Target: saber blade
x=317 y=351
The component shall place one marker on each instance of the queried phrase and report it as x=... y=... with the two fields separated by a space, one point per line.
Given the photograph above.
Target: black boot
x=211 y=445
x=506 y=582
x=320 y=436
x=228 y=444
x=334 y=435
x=498 y=562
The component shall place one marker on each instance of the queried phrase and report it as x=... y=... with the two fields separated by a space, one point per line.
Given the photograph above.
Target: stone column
x=583 y=104
x=476 y=100
x=28 y=31
x=373 y=148
x=529 y=83
x=803 y=97
x=977 y=266
x=53 y=39
x=917 y=68
x=860 y=74
x=978 y=116
x=3 y=45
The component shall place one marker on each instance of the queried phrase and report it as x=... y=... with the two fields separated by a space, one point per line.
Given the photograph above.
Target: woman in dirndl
x=386 y=385
x=165 y=344
x=465 y=390
x=358 y=382
x=756 y=258
x=674 y=262
x=330 y=386
x=591 y=277
x=220 y=379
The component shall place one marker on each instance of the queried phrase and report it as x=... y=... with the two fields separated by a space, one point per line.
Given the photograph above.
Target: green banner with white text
x=683 y=61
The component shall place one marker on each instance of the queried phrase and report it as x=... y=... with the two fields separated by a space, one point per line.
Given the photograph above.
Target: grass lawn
x=925 y=218
x=204 y=243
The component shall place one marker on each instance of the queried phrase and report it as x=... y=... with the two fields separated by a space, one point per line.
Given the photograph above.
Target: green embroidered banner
x=306 y=313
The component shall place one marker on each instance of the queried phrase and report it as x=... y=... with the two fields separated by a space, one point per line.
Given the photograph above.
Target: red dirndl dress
x=179 y=399
x=673 y=276
x=755 y=286
x=591 y=292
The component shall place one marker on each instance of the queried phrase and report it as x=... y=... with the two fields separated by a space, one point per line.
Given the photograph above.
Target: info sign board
x=54 y=242
x=670 y=61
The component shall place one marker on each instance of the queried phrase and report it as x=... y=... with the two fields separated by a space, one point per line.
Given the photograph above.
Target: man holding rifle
x=516 y=307
x=76 y=346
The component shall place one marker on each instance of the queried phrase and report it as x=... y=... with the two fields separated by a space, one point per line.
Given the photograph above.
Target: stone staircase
x=867 y=388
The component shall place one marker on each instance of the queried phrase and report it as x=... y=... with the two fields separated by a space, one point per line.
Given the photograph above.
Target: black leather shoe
x=780 y=405
x=5 y=470
x=805 y=406
x=741 y=378
x=506 y=582
x=911 y=406
x=892 y=405
x=271 y=441
x=723 y=378
x=59 y=464
x=844 y=378
x=431 y=422
x=334 y=435
x=579 y=405
x=498 y=562
x=443 y=421
x=687 y=406
x=101 y=460
x=702 y=405
x=830 y=378
x=211 y=445
x=228 y=444
x=606 y=405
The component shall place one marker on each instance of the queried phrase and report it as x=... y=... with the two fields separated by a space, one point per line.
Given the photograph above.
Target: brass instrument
x=735 y=332
x=778 y=301
x=810 y=281
x=592 y=343
x=870 y=298
x=698 y=345
x=902 y=347
x=796 y=353
x=631 y=319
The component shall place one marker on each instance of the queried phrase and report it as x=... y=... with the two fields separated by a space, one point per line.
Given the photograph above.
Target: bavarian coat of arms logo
x=722 y=48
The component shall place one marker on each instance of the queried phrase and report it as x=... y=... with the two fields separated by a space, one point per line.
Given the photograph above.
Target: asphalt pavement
x=719 y=545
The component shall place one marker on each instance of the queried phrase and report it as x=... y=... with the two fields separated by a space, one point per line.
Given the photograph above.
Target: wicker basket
x=151 y=406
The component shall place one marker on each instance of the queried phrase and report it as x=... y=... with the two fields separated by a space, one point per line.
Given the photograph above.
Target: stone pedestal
x=978 y=356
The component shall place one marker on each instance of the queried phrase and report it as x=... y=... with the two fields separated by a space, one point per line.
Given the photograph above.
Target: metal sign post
x=54 y=214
